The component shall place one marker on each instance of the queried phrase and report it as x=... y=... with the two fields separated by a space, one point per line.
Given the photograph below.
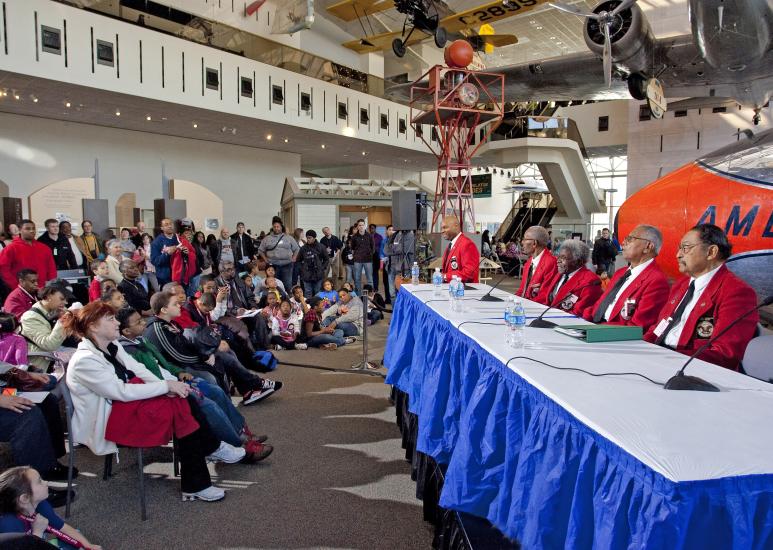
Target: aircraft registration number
x=493 y=12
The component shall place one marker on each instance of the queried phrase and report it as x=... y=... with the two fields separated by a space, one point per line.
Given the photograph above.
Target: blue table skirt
x=539 y=475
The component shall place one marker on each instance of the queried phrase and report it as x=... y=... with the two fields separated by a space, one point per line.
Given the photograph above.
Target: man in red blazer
x=461 y=256
x=636 y=293
x=541 y=265
x=705 y=301
x=574 y=287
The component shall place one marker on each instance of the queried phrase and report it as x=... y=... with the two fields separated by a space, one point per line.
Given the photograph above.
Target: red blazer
x=724 y=300
x=546 y=268
x=566 y=298
x=649 y=289
x=463 y=260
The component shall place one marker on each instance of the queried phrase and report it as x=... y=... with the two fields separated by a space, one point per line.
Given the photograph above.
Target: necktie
x=678 y=313
x=610 y=297
x=528 y=280
x=445 y=256
x=553 y=292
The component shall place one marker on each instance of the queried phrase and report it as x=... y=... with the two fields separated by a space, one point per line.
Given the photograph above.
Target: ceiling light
x=195 y=125
x=364 y=153
x=17 y=97
x=268 y=137
x=532 y=21
x=34 y=99
x=148 y=117
x=559 y=43
x=323 y=145
x=552 y=37
x=539 y=28
x=286 y=140
x=118 y=113
x=66 y=104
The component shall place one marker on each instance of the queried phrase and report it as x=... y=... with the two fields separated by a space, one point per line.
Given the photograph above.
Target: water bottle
x=518 y=325
x=459 y=293
x=508 y=318
x=437 y=281
x=452 y=293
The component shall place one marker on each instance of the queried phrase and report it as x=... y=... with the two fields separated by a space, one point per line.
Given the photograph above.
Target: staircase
x=527 y=212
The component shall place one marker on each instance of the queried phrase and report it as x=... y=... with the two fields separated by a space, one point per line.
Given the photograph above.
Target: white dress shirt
x=559 y=284
x=635 y=272
x=673 y=336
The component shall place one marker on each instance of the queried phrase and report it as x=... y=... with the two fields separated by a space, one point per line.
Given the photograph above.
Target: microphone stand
x=488 y=297
x=682 y=381
x=539 y=322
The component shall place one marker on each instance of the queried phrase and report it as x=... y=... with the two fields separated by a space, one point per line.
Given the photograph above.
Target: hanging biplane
x=430 y=18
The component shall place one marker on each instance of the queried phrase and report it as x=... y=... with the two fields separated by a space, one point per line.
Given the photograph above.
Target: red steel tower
x=448 y=105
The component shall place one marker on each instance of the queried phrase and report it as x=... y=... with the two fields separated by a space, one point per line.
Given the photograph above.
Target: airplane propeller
x=605 y=20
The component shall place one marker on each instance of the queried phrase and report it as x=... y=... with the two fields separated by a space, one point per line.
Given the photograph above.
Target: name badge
x=454 y=264
x=568 y=302
x=661 y=326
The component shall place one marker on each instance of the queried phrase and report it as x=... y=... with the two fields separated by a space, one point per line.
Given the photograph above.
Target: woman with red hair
x=117 y=400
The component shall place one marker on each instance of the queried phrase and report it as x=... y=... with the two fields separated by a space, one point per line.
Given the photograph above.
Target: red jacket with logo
x=585 y=282
x=546 y=268
x=723 y=301
x=650 y=292
x=463 y=259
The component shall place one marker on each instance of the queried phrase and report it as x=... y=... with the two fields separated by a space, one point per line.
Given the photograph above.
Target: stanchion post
x=364 y=364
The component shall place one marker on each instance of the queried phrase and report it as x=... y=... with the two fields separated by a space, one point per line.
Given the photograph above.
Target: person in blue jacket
x=161 y=250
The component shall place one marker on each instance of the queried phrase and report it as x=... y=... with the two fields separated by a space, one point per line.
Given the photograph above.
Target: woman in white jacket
x=99 y=375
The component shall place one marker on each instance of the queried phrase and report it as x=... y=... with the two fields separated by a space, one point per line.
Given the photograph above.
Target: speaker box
x=404 y=210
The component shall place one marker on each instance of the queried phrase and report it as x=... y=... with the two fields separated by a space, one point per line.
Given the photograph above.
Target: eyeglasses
x=630 y=238
x=685 y=248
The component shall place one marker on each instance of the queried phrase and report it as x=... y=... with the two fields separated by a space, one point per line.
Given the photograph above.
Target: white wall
x=39 y=151
x=587 y=119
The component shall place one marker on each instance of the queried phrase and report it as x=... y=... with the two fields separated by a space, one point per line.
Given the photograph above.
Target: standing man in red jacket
x=705 y=301
x=636 y=293
x=27 y=253
x=541 y=265
x=573 y=287
x=461 y=256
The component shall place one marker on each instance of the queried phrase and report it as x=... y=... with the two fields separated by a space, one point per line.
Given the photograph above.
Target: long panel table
x=563 y=459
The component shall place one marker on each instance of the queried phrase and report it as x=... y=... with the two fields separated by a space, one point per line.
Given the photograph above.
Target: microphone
x=488 y=297
x=681 y=381
x=539 y=322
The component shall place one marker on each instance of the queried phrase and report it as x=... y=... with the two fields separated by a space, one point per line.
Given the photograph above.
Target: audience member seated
x=117 y=400
x=573 y=287
x=705 y=301
x=328 y=294
x=225 y=421
x=375 y=304
x=59 y=246
x=270 y=282
x=136 y=295
x=24 y=508
x=42 y=326
x=285 y=328
x=247 y=280
x=22 y=298
x=27 y=253
x=540 y=267
x=99 y=272
x=298 y=302
x=269 y=305
x=253 y=270
x=106 y=285
x=114 y=298
x=239 y=300
x=345 y=315
x=114 y=258
x=167 y=336
x=13 y=347
x=313 y=334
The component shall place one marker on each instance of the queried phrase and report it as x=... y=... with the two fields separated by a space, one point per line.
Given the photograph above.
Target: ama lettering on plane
x=731 y=188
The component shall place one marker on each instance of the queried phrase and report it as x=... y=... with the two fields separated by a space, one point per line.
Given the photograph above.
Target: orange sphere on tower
x=458 y=54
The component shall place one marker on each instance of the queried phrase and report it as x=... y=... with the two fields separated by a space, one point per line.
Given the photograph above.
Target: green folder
x=601 y=333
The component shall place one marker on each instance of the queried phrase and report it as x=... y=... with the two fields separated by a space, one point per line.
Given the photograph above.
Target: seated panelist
x=541 y=265
x=705 y=301
x=573 y=287
x=636 y=293
x=461 y=256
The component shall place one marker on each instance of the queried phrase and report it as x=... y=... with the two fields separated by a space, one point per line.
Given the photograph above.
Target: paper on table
x=34 y=396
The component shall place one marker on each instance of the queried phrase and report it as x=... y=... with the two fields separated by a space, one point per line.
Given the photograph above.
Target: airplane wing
x=487 y=13
x=383 y=41
x=350 y=10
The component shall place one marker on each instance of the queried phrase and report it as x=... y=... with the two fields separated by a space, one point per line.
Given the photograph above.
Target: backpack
x=266 y=360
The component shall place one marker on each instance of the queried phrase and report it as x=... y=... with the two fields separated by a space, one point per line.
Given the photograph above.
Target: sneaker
x=57 y=498
x=227 y=453
x=256 y=452
x=210 y=494
x=330 y=347
x=350 y=339
x=301 y=346
x=275 y=385
x=59 y=473
x=247 y=435
x=277 y=347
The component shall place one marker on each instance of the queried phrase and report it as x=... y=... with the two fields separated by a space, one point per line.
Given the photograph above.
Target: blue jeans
x=336 y=338
x=224 y=420
x=349 y=278
x=348 y=329
x=285 y=274
x=310 y=288
x=392 y=275
x=357 y=274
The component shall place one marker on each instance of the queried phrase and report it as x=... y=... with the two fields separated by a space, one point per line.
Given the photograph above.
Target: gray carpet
x=337 y=477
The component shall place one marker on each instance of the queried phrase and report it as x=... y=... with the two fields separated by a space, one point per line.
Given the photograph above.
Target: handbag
x=206 y=339
x=22 y=380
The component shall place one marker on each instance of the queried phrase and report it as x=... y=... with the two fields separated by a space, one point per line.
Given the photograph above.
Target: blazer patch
x=568 y=302
x=704 y=328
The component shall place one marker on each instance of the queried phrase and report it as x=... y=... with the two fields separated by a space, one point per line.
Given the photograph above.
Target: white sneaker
x=350 y=339
x=227 y=453
x=301 y=346
x=210 y=494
